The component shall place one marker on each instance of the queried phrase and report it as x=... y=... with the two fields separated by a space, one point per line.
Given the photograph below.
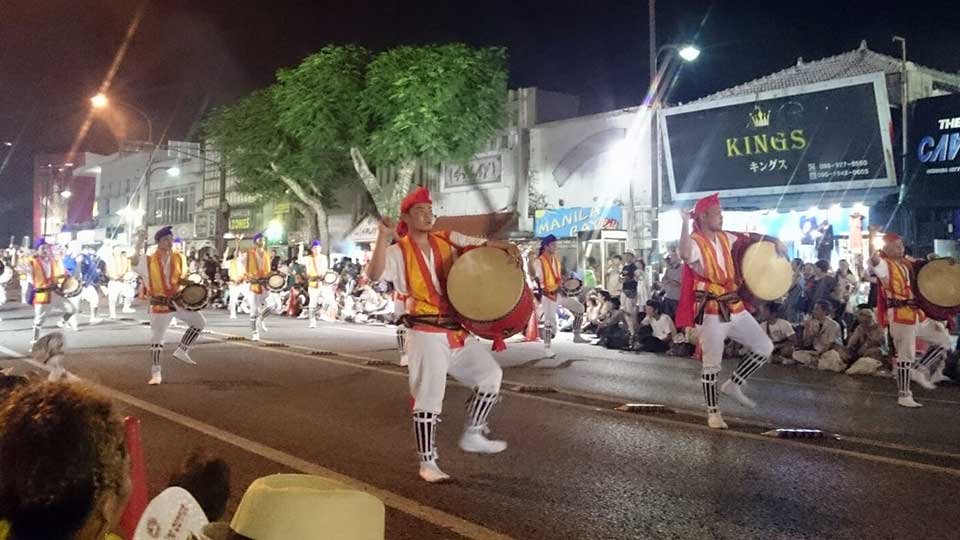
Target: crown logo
x=759 y=118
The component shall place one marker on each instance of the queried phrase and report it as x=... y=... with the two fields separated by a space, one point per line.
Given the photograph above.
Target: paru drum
x=277 y=282
x=572 y=287
x=489 y=294
x=766 y=276
x=937 y=287
x=193 y=297
x=331 y=278
x=69 y=287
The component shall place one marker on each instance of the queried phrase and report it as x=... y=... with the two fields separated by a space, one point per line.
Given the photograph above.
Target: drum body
x=937 y=287
x=193 y=297
x=765 y=275
x=69 y=287
x=572 y=287
x=277 y=282
x=489 y=294
x=331 y=278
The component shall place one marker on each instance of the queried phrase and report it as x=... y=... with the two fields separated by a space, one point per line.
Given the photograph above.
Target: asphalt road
x=332 y=401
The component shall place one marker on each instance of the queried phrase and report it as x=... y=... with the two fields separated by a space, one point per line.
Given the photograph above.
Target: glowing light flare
x=689 y=53
x=100 y=101
x=274 y=231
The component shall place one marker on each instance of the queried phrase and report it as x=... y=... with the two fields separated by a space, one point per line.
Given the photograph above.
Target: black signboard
x=934 y=158
x=825 y=136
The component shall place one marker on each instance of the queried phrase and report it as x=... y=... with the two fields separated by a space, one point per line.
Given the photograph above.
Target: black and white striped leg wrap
x=253 y=321
x=189 y=337
x=929 y=360
x=36 y=333
x=750 y=363
x=478 y=408
x=312 y=313
x=155 y=350
x=903 y=378
x=425 y=429
x=709 y=383
x=264 y=311
x=402 y=339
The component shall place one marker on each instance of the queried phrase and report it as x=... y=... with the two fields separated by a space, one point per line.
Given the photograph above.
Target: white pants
x=160 y=321
x=317 y=294
x=89 y=294
x=40 y=311
x=549 y=308
x=905 y=337
x=3 y=295
x=742 y=328
x=262 y=304
x=117 y=288
x=236 y=291
x=629 y=307
x=24 y=288
x=431 y=360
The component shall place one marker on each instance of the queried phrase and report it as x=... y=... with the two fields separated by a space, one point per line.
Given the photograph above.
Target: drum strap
x=894 y=303
x=444 y=323
x=723 y=304
x=162 y=301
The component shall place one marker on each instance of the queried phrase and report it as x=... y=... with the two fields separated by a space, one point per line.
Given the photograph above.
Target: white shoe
x=938 y=376
x=908 y=402
x=129 y=310
x=404 y=361
x=255 y=336
x=578 y=339
x=547 y=353
x=921 y=378
x=74 y=324
x=715 y=421
x=473 y=440
x=183 y=356
x=313 y=324
x=95 y=320
x=430 y=471
x=233 y=315
x=61 y=324
x=733 y=390
x=155 y=377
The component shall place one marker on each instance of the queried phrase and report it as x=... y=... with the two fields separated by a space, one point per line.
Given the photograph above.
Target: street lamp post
x=101 y=101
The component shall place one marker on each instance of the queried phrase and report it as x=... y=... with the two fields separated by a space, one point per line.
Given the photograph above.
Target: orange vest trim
x=235 y=270
x=314 y=271
x=425 y=298
x=714 y=280
x=43 y=281
x=551 y=272
x=257 y=272
x=158 y=283
x=898 y=288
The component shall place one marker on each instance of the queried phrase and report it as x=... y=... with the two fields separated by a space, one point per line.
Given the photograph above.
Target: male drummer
x=436 y=345
x=317 y=267
x=118 y=268
x=164 y=273
x=82 y=265
x=44 y=271
x=897 y=309
x=237 y=273
x=256 y=262
x=546 y=268
x=710 y=287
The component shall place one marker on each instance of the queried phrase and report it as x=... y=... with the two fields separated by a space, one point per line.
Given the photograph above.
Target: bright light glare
x=99 y=101
x=274 y=230
x=66 y=193
x=173 y=171
x=689 y=53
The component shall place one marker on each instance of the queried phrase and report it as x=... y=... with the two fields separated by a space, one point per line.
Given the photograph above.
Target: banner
x=826 y=136
x=567 y=222
x=934 y=159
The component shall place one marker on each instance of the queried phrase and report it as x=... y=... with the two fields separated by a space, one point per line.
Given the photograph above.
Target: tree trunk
x=404 y=183
x=308 y=216
x=313 y=202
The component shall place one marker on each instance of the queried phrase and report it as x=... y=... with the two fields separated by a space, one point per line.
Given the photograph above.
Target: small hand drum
x=277 y=282
x=572 y=287
x=766 y=274
x=69 y=287
x=331 y=277
x=193 y=297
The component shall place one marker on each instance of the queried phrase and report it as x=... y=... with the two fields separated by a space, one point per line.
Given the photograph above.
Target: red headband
x=891 y=237
x=706 y=203
x=421 y=195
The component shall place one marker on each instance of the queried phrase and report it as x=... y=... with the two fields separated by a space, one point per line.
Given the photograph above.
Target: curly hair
x=207 y=479
x=61 y=448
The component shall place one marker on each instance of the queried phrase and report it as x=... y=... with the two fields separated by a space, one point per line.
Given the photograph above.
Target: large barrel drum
x=937 y=287
x=765 y=275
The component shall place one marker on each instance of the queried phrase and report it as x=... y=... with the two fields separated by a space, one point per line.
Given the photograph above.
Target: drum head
x=765 y=273
x=330 y=278
x=484 y=284
x=276 y=281
x=194 y=296
x=572 y=284
x=939 y=283
x=194 y=277
x=70 y=286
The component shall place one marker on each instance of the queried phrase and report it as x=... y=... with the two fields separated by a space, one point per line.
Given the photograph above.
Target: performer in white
x=120 y=271
x=549 y=277
x=709 y=287
x=436 y=344
x=44 y=272
x=897 y=309
x=256 y=262
x=317 y=267
x=238 y=287
x=83 y=266
x=164 y=273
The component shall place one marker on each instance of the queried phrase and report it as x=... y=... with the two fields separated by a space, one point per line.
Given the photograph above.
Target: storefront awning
x=496 y=225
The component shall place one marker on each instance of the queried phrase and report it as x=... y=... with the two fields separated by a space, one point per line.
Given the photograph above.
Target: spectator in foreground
x=207 y=479
x=656 y=329
x=48 y=350
x=780 y=332
x=66 y=475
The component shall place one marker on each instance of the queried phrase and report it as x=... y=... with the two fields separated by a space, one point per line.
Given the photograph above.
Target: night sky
x=190 y=55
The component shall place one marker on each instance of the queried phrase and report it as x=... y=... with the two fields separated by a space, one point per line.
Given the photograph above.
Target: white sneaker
x=155 y=377
x=908 y=402
x=921 y=378
x=473 y=440
x=61 y=324
x=313 y=324
x=404 y=361
x=715 y=421
x=95 y=320
x=548 y=353
x=938 y=376
x=430 y=471
x=255 y=336
x=233 y=315
x=183 y=356
x=129 y=310
x=733 y=390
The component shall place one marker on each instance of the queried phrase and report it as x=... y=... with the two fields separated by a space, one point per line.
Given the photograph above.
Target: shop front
x=587 y=238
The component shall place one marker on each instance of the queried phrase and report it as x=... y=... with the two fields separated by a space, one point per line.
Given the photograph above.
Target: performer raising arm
x=417 y=266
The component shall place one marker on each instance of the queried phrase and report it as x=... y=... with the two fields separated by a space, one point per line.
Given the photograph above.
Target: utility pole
x=222 y=210
x=654 y=137
x=908 y=222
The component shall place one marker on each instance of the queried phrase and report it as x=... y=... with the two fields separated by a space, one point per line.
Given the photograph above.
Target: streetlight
x=101 y=101
x=689 y=52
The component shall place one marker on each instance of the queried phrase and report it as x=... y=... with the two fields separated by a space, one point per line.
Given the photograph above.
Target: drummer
x=317 y=267
x=237 y=273
x=119 y=271
x=709 y=289
x=256 y=261
x=164 y=272
x=436 y=345
x=549 y=277
x=898 y=310
x=44 y=271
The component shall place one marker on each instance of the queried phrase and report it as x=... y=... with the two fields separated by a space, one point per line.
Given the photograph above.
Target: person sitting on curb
x=821 y=336
x=780 y=332
x=656 y=329
x=867 y=339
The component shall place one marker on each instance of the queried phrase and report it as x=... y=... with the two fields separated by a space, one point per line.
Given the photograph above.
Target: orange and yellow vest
x=120 y=266
x=315 y=271
x=423 y=297
x=255 y=272
x=235 y=270
x=161 y=285
x=898 y=288
x=43 y=281
x=551 y=275
x=716 y=280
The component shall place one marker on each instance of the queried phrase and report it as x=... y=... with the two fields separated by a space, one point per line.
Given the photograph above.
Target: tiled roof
x=860 y=61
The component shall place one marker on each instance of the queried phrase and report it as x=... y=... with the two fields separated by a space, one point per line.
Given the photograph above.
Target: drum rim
x=197 y=306
x=520 y=292
x=743 y=275
x=920 y=272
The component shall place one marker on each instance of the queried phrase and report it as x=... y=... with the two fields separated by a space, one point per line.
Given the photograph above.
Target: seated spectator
x=66 y=474
x=592 y=313
x=821 y=336
x=866 y=339
x=614 y=331
x=48 y=350
x=824 y=287
x=656 y=329
x=780 y=332
x=207 y=479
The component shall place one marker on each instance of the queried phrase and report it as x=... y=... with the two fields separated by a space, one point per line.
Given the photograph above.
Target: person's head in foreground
x=65 y=468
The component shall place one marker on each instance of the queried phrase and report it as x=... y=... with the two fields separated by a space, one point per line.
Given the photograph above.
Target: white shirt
x=696 y=257
x=662 y=327
x=778 y=331
x=321 y=260
x=261 y=259
x=394 y=271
